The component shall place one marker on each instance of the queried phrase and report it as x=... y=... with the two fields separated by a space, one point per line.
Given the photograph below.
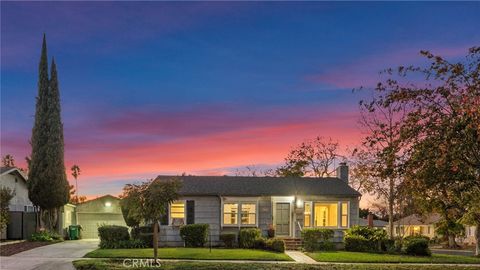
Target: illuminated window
x=249 y=213
x=326 y=215
x=344 y=215
x=307 y=215
x=177 y=213
x=230 y=213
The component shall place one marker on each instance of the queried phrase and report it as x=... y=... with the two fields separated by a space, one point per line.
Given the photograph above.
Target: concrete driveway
x=57 y=256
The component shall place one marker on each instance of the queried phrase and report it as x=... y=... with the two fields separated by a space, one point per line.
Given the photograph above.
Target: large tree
x=6 y=194
x=442 y=128
x=8 y=161
x=48 y=185
x=314 y=158
x=382 y=152
x=148 y=202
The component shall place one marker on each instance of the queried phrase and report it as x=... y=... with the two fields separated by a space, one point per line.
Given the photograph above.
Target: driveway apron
x=57 y=256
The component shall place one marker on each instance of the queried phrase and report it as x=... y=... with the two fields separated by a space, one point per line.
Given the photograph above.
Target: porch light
x=299 y=203
x=108 y=204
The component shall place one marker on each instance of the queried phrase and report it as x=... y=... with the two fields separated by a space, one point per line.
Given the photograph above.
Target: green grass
x=360 y=257
x=191 y=253
x=99 y=264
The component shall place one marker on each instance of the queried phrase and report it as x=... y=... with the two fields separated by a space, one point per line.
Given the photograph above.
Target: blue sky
x=207 y=87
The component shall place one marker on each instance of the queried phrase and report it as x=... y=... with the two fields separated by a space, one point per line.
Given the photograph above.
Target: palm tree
x=75 y=173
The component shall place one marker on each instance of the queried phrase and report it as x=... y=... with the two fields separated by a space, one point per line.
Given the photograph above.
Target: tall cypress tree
x=48 y=185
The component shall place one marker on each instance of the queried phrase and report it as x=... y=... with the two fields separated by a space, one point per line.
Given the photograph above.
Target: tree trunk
x=390 y=209
x=155 y=240
x=451 y=241
x=477 y=240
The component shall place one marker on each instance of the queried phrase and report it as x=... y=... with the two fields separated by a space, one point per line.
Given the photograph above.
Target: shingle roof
x=261 y=186
x=5 y=169
x=419 y=220
x=376 y=222
x=13 y=170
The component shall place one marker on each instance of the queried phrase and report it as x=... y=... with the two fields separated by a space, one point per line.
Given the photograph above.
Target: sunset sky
x=205 y=88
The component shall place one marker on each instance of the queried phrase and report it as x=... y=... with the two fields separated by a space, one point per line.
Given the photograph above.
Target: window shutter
x=164 y=220
x=190 y=212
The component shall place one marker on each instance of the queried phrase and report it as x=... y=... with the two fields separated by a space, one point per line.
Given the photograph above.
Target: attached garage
x=97 y=212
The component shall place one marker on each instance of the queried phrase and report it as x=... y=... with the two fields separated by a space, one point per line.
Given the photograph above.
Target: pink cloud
x=365 y=71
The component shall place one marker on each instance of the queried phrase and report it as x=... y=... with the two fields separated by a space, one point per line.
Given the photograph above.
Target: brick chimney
x=342 y=172
x=370 y=220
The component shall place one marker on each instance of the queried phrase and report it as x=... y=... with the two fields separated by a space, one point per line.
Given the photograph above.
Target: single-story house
x=22 y=219
x=91 y=214
x=469 y=237
x=288 y=204
x=416 y=225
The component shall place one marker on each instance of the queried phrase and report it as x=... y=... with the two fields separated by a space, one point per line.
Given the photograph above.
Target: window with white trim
x=230 y=213
x=177 y=213
x=249 y=214
x=344 y=215
x=326 y=214
x=307 y=214
x=238 y=213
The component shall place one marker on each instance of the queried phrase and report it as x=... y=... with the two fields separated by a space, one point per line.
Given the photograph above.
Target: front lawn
x=192 y=254
x=361 y=257
x=98 y=264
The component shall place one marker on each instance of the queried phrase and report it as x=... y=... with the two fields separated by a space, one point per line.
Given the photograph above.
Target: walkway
x=57 y=256
x=299 y=257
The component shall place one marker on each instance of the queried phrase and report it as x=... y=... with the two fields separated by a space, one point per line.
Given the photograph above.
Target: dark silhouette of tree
x=48 y=185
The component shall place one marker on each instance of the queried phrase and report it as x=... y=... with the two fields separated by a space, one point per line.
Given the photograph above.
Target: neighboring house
x=416 y=225
x=375 y=223
x=469 y=238
x=94 y=213
x=289 y=204
x=22 y=212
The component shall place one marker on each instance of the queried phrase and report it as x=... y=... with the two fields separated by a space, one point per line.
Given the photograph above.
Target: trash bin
x=73 y=232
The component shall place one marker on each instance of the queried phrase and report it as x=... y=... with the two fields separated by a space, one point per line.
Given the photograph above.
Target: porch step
x=293 y=243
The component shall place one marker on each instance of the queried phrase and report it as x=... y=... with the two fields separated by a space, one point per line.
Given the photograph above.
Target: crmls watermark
x=129 y=263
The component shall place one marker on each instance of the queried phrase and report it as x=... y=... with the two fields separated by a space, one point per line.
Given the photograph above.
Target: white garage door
x=91 y=222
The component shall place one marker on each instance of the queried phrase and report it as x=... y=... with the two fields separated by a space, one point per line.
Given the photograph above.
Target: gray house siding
x=265 y=216
x=207 y=211
x=209 y=192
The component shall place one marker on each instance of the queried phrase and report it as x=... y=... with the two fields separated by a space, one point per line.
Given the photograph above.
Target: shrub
x=275 y=244
x=228 y=239
x=194 y=235
x=417 y=247
x=260 y=243
x=134 y=243
x=389 y=246
x=45 y=236
x=317 y=239
x=246 y=237
x=416 y=236
x=271 y=231
x=358 y=243
x=366 y=239
x=109 y=234
x=143 y=233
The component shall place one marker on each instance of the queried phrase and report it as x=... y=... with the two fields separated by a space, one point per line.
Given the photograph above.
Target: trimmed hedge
x=110 y=234
x=247 y=236
x=134 y=243
x=194 y=235
x=260 y=243
x=275 y=244
x=228 y=239
x=143 y=233
x=317 y=239
x=358 y=243
x=417 y=247
x=366 y=239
